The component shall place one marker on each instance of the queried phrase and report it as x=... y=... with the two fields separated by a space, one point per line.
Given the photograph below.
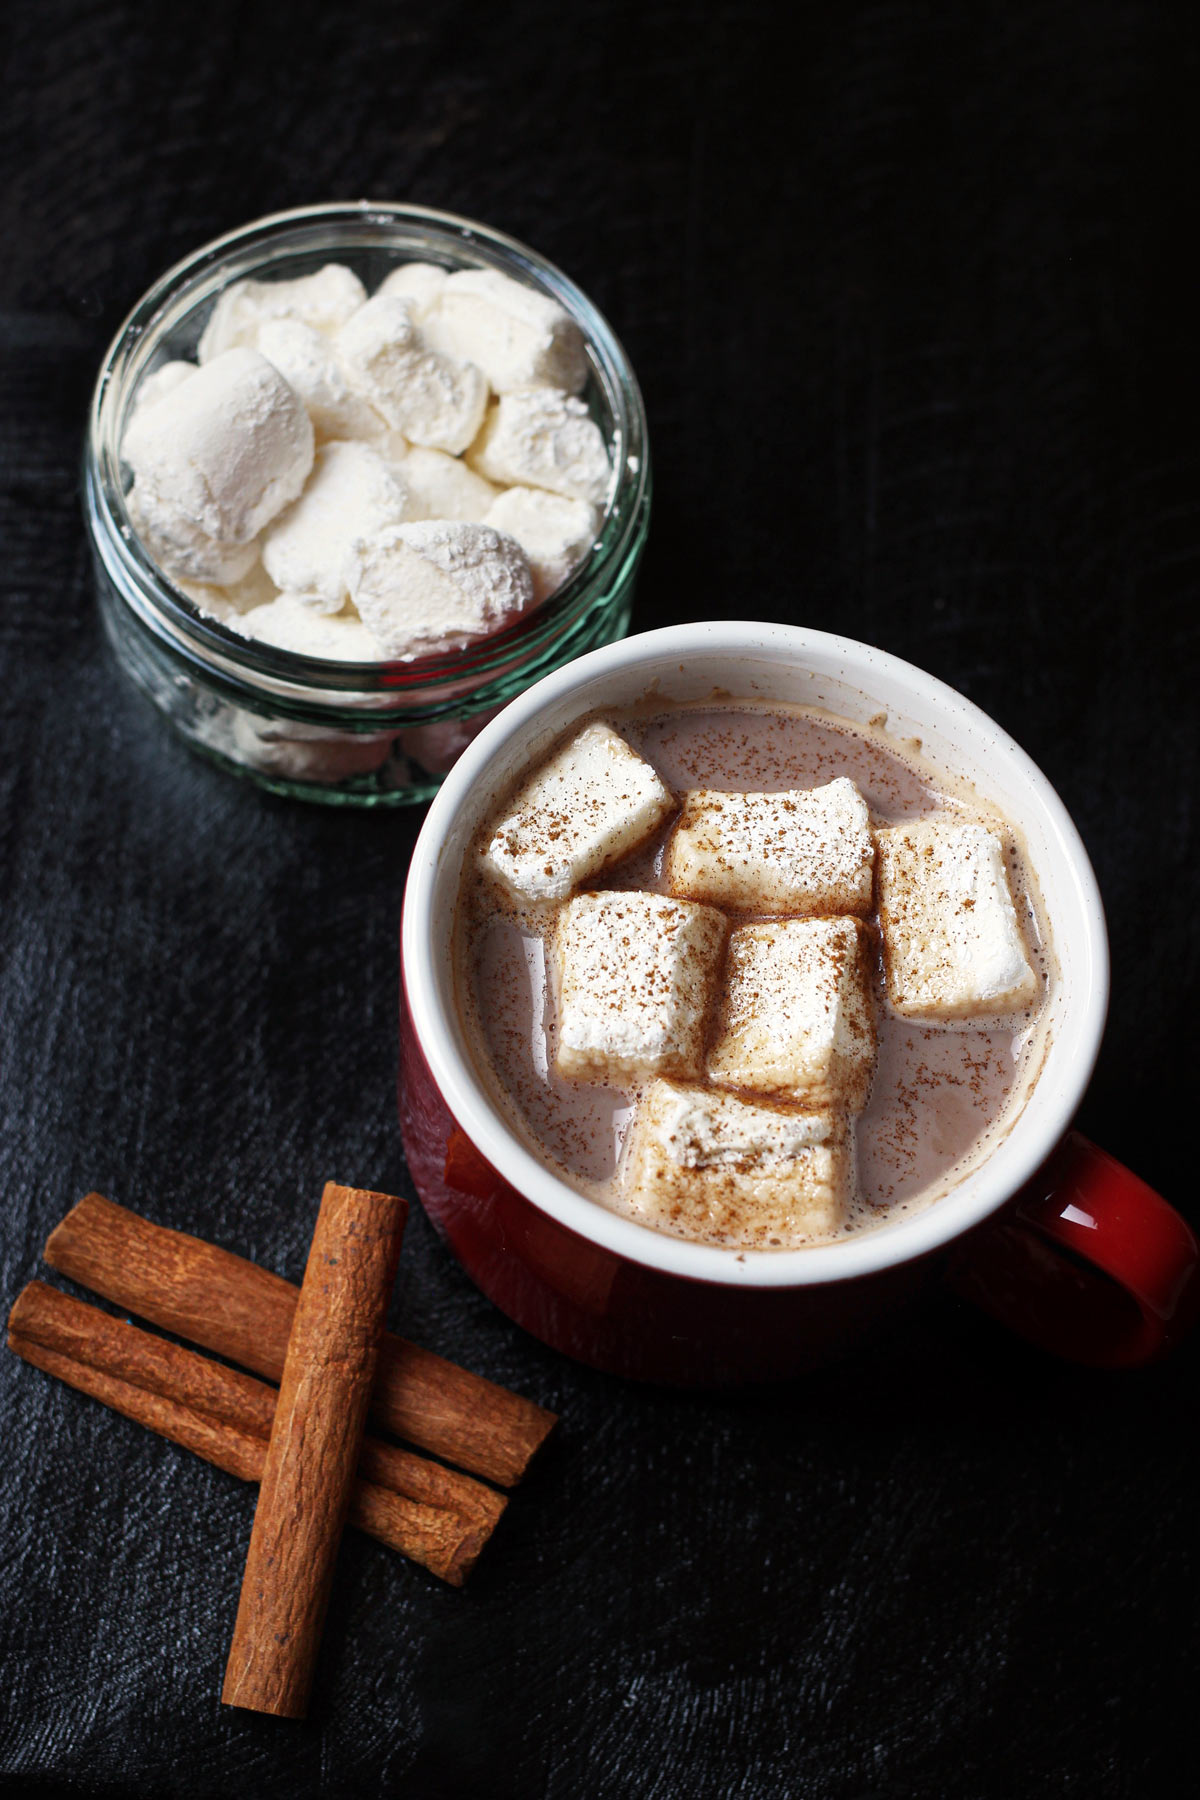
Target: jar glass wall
x=370 y=734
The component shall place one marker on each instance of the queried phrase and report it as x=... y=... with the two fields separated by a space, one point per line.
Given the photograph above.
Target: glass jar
x=370 y=734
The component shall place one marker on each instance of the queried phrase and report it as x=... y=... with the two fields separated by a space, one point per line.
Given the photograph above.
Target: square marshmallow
x=543 y=438
x=592 y=802
x=388 y=363
x=952 y=945
x=443 y=487
x=419 y=283
x=796 y=1019
x=309 y=550
x=554 y=531
x=517 y=335
x=802 y=851
x=635 y=976
x=324 y=300
x=706 y=1165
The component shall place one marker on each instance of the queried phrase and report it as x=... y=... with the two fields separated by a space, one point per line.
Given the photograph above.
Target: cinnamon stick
x=313 y=1451
x=240 y=1310
x=432 y=1515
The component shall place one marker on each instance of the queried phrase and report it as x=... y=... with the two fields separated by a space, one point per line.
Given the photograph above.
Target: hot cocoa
x=752 y=974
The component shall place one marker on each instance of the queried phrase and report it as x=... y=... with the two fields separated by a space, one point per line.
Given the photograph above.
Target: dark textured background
x=910 y=292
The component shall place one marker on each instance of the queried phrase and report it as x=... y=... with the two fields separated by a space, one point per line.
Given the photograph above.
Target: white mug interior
x=789 y=664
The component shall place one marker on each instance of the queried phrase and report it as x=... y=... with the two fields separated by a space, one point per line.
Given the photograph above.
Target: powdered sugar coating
x=309 y=551
x=443 y=487
x=543 y=438
x=554 y=531
x=290 y=751
x=185 y=552
x=221 y=454
x=387 y=360
x=291 y=624
x=304 y=357
x=161 y=382
x=324 y=300
x=519 y=337
x=372 y=376
x=419 y=283
x=229 y=601
x=427 y=588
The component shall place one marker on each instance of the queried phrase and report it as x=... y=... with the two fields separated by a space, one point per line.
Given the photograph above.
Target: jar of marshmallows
x=355 y=476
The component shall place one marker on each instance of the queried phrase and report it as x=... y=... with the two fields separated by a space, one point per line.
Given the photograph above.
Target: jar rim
x=170 y=612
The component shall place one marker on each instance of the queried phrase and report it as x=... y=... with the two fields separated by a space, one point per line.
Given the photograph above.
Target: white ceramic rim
x=1045 y=1116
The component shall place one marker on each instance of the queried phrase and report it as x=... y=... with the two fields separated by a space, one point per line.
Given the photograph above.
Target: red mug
x=1048 y=1233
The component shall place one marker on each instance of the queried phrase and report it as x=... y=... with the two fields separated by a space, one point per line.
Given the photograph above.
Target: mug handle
x=1088 y=1262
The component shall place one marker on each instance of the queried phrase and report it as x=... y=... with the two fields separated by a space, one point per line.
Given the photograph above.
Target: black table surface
x=909 y=291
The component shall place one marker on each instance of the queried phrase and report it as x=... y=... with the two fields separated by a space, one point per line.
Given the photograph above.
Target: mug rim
x=1013 y=1161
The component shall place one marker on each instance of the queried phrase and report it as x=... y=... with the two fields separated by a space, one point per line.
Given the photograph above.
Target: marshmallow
x=542 y=438
x=419 y=283
x=705 y=1165
x=442 y=487
x=162 y=381
x=555 y=532
x=635 y=975
x=219 y=456
x=519 y=337
x=796 y=1017
x=324 y=301
x=292 y=624
x=305 y=359
x=294 y=752
x=309 y=550
x=431 y=399
x=393 y=446
x=187 y=555
x=227 y=603
x=806 y=851
x=591 y=803
x=439 y=585
x=952 y=946
x=437 y=747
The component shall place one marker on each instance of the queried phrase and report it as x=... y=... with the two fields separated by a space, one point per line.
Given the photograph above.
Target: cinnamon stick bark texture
x=434 y=1516
x=313 y=1452
x=241 y=1310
